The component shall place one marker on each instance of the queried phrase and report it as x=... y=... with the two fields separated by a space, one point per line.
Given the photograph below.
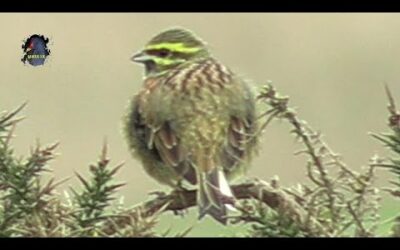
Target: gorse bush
x=32 y=208
x=335 y=201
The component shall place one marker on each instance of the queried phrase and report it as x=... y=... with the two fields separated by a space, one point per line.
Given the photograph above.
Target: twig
x=358 y=222
x=278 y=103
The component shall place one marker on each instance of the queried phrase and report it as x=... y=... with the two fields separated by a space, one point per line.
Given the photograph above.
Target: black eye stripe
x=159 y=52
x=167 y=53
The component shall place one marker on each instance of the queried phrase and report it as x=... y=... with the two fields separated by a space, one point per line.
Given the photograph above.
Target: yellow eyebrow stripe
x=175 y=47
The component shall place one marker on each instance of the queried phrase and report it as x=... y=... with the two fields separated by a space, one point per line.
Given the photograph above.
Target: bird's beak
x=140 y=57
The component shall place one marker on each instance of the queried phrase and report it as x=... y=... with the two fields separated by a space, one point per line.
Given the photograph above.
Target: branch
x=274 y=198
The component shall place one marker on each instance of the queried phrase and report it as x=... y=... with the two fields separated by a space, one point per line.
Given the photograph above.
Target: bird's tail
x=214 y=196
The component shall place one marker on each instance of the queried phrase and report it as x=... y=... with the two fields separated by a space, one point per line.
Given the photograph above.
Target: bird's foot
x=179 y=194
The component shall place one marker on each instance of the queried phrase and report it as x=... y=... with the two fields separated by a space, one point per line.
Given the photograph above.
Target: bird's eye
x=163 y=53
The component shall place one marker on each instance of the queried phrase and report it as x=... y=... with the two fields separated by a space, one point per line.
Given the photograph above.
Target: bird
x=193 y=122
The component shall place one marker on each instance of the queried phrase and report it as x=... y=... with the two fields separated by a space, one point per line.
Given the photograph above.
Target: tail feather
x=214 y=195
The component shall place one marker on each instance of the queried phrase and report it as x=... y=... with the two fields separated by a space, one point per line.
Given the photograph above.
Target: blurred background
x=333 y=67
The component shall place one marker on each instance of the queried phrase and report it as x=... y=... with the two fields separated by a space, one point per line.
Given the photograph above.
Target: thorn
x=53 y=146
x=10 y=134
x=392 y=104
x=83 y=181
x=17 y=110
x=115 y=169
x=104 y=149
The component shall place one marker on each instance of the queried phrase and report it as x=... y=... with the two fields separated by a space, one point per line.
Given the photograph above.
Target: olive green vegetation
x=332 y=66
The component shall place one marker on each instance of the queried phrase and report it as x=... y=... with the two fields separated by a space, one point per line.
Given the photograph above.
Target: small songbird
x=193 y=121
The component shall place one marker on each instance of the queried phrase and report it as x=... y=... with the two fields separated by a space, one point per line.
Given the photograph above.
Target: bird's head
x=170 y=49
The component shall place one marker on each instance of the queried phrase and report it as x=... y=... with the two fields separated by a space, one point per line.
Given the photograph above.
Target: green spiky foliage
x=263 y=221
x=30 y=206
x=24 y=197
x=391 y=140
x=97 y=192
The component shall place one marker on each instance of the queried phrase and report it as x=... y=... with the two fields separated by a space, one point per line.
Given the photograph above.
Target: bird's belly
x=201 y=120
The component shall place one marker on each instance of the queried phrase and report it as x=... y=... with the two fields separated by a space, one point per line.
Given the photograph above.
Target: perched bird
x=193 y=121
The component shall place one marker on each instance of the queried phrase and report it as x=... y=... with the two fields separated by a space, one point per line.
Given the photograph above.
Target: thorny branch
x=274 y=198
x=331 y=190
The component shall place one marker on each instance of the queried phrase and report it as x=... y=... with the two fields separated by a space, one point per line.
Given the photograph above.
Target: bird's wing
x=158 y=141
x=239 y=136
x=172 y=153
x=241 y=140
x=166 y=143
